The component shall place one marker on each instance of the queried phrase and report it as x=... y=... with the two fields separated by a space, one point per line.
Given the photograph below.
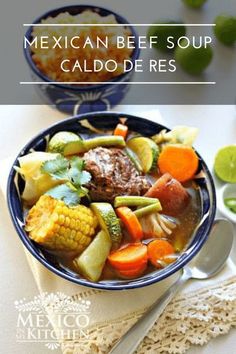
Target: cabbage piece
x=36 y=182
x=158 y=225
x=178 y=135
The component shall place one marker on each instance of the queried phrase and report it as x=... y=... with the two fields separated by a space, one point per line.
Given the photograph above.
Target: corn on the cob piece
x=51 y=223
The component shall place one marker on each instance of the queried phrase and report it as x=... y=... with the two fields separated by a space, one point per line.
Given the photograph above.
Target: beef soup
x=113 y=206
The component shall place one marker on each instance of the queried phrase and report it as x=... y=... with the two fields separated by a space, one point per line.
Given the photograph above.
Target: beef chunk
x=113 y=174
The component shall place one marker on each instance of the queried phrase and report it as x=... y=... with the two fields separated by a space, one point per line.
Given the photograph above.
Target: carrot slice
x=178 y=160
x=132 y=273
x=157 y=250
x=131 y=256
x=131 y=222
x=121 y=130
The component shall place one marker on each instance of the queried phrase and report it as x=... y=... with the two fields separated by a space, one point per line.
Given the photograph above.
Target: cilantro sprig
x=73 y=176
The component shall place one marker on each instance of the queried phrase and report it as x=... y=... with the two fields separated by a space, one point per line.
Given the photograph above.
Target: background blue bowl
x=108 y=121
x=81 y=99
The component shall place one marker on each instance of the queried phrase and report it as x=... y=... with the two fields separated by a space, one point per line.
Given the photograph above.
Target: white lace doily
x=190 y=319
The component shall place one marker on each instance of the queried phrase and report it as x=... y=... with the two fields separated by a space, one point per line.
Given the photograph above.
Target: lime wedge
x=164 y=32
x=225 y=29
x=193 y=60
x=195 y=3
x=225 y=164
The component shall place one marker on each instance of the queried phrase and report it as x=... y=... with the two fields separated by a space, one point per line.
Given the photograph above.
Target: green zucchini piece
x=107 y=140
x=91 y=262
x=153 y=208
x=134 y=201
x=134 y=158
x=66 y=143
x=146 y=150
x=108 y=221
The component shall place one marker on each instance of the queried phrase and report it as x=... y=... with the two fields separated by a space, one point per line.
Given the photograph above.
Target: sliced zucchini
x=108 y=221
x=91 y=262
x=146 y=150
x=107 y=140
x=134 y=201
x=66 y=143
x=134 y=158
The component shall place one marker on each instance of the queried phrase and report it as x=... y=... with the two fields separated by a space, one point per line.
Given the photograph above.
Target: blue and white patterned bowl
x=108 y=121
x=81 y=99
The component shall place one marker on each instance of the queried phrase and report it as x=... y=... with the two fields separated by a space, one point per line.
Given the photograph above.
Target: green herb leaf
x=85 y=177
x=76 y=166
x=66 y=193
x=57 y=168
x=77 y=175
x=71 y=172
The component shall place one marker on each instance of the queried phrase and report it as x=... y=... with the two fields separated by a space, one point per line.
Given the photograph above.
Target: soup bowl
x=83 y=124
x=76 y=99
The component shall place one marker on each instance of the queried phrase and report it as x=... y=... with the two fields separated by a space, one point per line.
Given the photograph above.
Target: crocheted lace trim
x=190 y=319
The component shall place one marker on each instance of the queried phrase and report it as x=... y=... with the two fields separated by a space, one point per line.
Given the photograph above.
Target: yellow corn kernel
x=56 y=226
x=61 y=219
